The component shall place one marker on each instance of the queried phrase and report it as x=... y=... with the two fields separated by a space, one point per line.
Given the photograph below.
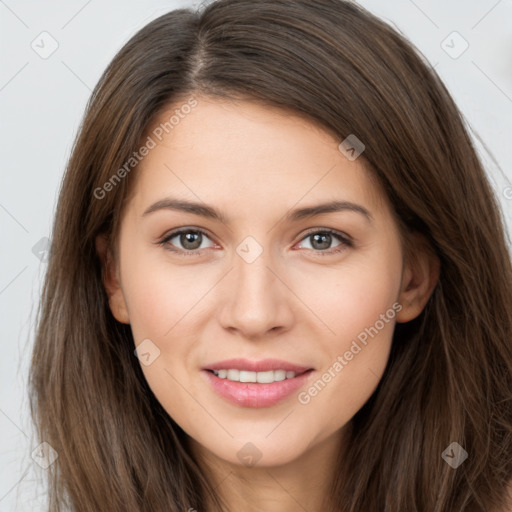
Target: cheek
x=353 y=296
x=159 y=295
x=160 y=306
x=359 y=305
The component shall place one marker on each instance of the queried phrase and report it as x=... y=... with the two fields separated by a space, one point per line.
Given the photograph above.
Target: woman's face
x=262 y=283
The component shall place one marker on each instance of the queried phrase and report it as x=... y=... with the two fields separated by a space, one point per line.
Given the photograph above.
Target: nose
x=258 y=299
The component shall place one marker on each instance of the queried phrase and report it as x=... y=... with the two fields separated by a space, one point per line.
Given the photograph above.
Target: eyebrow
x=210 y=212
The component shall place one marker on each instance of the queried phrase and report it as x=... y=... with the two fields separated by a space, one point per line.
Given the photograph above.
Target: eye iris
x=323 y=245
x=186 y=238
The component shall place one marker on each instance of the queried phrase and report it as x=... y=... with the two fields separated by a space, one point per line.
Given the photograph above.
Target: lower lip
x=251 y=394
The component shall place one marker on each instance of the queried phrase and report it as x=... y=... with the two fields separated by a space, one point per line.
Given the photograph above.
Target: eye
x=190 y=239
x=322 y=239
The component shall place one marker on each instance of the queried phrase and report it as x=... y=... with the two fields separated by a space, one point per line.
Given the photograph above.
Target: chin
x=259 y=451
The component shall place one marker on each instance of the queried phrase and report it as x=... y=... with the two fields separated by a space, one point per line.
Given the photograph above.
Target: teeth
x=233 y=375
x=261 y=377
x=247 y=376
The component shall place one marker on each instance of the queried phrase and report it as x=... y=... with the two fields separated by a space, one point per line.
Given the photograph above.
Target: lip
x=253 y=395
x=263 y=365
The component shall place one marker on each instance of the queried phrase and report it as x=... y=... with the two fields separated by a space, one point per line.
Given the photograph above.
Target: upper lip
x=256 y=366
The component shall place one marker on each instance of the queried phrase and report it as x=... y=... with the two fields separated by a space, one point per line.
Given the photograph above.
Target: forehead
x=247 y=154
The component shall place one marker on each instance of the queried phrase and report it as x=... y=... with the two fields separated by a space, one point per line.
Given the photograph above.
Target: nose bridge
x=258 y=299
x=252 y=274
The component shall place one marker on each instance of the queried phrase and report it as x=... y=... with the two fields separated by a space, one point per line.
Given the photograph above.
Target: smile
x=255 y=384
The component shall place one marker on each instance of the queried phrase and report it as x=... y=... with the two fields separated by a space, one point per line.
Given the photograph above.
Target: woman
x=339 y=338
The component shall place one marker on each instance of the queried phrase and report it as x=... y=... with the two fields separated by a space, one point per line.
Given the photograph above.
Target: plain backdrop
x=42 y=98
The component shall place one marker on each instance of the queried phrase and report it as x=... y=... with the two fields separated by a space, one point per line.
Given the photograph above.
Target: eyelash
x=344 y=239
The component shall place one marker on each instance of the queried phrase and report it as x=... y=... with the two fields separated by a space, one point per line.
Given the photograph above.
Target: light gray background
x=42 y=101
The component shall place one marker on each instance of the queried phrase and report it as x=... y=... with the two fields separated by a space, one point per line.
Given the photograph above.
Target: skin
x=255 y=164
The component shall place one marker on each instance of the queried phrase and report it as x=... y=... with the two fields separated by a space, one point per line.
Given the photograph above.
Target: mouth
x=256 y=383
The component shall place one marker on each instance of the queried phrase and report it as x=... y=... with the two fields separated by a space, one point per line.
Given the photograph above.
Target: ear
x=110 y=278
x=419 y=278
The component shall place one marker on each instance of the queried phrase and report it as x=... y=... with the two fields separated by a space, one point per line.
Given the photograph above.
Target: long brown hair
x=449 y=376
